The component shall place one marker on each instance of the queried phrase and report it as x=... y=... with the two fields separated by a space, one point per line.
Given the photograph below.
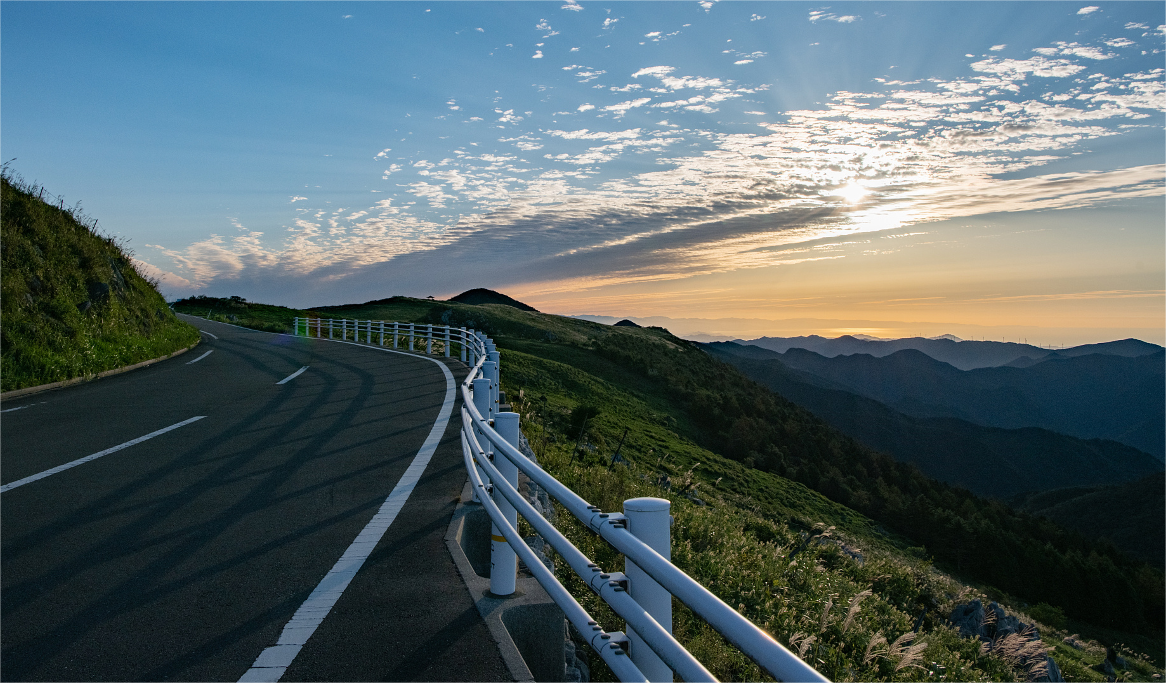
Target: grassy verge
x=73 y=304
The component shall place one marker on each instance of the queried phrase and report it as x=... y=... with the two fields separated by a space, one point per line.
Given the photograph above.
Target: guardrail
x=641 y=595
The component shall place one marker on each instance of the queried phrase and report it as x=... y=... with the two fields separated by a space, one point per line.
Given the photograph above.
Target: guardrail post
x=395 y=330
x=429 y=340
x=494 y=357
x=503 y=560
x=410 y=336
x=382 y=333
x=473 y=352
x=447 y=351
x=490 y=371
x=317 y=328
x=481 y=390
x=462 y=334
x=331 y=327
x=649 y=521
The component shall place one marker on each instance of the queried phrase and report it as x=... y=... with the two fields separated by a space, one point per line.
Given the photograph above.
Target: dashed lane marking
x=81 y=461
x=292 y=376
x=201 y=357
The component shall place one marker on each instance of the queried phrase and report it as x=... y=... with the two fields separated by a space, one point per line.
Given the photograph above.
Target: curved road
x=185 y=555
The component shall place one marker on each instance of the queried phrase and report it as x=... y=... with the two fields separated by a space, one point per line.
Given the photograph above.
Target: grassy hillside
x=71 y=302
x=784 y=517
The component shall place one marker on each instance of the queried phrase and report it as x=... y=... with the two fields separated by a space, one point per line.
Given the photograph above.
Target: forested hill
x=73 y=304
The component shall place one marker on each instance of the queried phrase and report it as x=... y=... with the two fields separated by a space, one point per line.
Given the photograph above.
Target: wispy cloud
x=824 y=14
x=1088 y=10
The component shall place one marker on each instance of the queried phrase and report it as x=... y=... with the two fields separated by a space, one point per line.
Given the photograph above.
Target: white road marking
x=201 y=357
x=292 y=376
x=208 y=334
x=271 y=664
x=9 y=410
x=82 y=461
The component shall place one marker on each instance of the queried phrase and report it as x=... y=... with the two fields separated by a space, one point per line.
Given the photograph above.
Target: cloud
x=743 y=61
x=543 y=25
x=1119 y=42
x=654 y=71
x=538 y=54
x=622 y=108
x=1088 y=10
x=297 y=199
x=1017 y=69
x=756 y=17
x=586 y=107
x=1134 y=24
x=609 y=22
x=997 y=48
x=573 y=6
x=822 y=15
x=383 y=153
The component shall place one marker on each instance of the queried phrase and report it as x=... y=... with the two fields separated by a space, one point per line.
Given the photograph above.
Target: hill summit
x=480 y=295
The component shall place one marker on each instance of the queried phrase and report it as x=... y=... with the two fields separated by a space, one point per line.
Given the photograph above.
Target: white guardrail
x=641 y=595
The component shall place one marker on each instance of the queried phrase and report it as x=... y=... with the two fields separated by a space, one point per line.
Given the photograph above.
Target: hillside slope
x=72 y=303
x=989 y=461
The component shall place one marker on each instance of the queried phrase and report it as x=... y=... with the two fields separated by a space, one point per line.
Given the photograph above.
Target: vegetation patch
x=72 y=304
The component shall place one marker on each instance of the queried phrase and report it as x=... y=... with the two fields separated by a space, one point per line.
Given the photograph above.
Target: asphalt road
x=182 y=557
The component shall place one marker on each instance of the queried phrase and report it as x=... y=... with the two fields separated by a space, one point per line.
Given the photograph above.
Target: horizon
x=744 y=168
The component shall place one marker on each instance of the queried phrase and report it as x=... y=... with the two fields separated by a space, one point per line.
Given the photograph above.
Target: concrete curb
x=17 y=393
x=532 y=617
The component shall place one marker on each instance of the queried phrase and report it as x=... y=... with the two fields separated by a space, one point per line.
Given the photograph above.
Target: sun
x=852 y=192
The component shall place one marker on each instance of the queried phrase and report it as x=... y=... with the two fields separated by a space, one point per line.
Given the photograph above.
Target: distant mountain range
x=962 y=354
x=986 y=459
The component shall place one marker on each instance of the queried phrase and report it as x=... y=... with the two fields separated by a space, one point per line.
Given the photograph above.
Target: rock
x=1072 y=642
x=968 y=618
x=1053 y=672
x=98 y=291
x=1106 y=667
x=84 y=306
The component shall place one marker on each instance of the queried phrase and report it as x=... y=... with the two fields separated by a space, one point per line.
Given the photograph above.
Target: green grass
x=72 y=304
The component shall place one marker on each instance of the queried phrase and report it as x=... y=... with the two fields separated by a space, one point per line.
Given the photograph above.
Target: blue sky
x=884 y=166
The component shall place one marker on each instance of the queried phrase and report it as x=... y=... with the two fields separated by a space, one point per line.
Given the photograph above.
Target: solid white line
x=292 y=376
x=82 y=461
x=271 y=664
x=208 y=334
x=201 y=357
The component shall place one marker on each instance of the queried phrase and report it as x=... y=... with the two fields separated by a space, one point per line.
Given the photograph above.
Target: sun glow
x=852 y=192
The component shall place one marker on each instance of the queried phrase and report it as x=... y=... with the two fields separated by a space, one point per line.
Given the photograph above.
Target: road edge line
x=272 y=662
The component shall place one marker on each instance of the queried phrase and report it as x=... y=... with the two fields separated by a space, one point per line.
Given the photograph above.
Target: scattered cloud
x=538 y=54
x=297 y=199
x=996 y=48
x=756 y=17
x=824 y=15
x=1119 y=42
x=573 y=6
x=586 y=107
x=1088 y=10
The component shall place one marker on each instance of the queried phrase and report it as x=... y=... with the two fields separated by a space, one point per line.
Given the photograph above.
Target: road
x=185 y=555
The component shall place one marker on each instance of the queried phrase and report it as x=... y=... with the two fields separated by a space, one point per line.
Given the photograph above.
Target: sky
x=729 y=169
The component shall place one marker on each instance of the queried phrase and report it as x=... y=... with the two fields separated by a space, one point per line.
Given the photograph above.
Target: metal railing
x=640 y=533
